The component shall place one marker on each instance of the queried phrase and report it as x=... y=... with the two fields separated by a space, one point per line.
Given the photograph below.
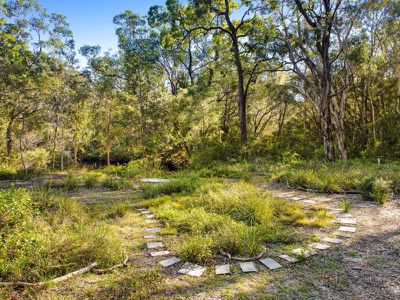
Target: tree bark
x=9 y=137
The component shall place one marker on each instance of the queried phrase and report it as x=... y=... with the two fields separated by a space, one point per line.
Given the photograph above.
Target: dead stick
x=55 y=280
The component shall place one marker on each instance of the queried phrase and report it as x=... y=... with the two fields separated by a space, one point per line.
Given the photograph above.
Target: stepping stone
x=331 y=240
x=337 y=210
x=347 y=221
x=155 y=229
x=309 y=201
x=151 y=236
x=159 y=253
x=288 y=258
x=192 y=270
x=156 y=180
x=303 y=252
x=142 y=209
x=153 y=245
x=270 y=263
x=345 y=215
x=149 y=216
x=343 y=234
x=248 y=267
x=296 y=198
x=320 y=246
x=347 y=229
x=222 y=269
x=150 y=221
x=170 y=261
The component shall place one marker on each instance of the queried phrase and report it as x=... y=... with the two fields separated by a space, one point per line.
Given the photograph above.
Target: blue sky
x=91 y=20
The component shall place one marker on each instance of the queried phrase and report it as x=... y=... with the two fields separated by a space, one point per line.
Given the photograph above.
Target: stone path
x=346 y=227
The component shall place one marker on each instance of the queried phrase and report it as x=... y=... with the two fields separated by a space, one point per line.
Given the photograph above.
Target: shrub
x=7 y=172
x=92 y=179
x=71 y=183
x=377 y=189
x=37 y=160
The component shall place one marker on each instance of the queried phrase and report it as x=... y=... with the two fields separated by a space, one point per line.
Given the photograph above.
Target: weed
x=345 y=205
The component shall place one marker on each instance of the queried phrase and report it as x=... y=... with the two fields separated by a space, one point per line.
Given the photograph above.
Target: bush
x=37 y=160
x=7 y=172
x=377 y=189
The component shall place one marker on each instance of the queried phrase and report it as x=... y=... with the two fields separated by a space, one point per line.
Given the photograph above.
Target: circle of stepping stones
x=347 y=226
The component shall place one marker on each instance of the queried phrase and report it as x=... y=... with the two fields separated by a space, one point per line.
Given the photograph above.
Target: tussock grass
x=44 y=237
x=237 y=218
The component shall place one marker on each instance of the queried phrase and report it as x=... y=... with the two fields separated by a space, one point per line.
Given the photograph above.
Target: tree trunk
x=9 y=138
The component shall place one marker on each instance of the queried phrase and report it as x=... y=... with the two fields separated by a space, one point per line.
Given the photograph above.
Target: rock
x=270 y=263
x=170 y=261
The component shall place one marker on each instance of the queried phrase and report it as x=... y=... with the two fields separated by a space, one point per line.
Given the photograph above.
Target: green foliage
x=377 y=189
x=345 y=205
x=195 y=248
x=168 y=188
x=237 y=218
x=46 y=237
x=114 y=183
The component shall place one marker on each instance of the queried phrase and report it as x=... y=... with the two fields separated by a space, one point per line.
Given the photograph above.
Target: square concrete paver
x=150 y=216
x=270 y=263
x=150 y=221
x=150 y=236
x=320 y=246
x=170 y=261
x=331 y=240
x=155 y=229
x=288 y=258
x=142 y=209
x=347 y=221
x=159 y=253
x=248 y=267
x=192 y=270
x=222 y=269
x=347 y=229
x=303 y=252
x=153 y=245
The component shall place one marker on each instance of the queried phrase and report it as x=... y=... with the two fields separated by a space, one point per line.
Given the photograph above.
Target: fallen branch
x=244 y=258
x=102 y=271
x=55 y=280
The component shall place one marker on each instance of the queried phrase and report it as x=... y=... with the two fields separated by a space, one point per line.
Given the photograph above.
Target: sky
x=91 y=20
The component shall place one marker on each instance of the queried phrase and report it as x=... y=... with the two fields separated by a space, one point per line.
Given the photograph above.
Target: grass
x=237 y=218
x=334 y=177
x=45 y=236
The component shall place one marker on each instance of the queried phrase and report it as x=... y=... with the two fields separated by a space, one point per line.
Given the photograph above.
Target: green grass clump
x=237 y=218
x=168 y=188
x=379 y=190
x=42 y=238
x=345 y=205
x=114 y=183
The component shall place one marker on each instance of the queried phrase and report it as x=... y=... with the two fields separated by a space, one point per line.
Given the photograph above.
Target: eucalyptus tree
x=316 y=36
x=243 y=27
